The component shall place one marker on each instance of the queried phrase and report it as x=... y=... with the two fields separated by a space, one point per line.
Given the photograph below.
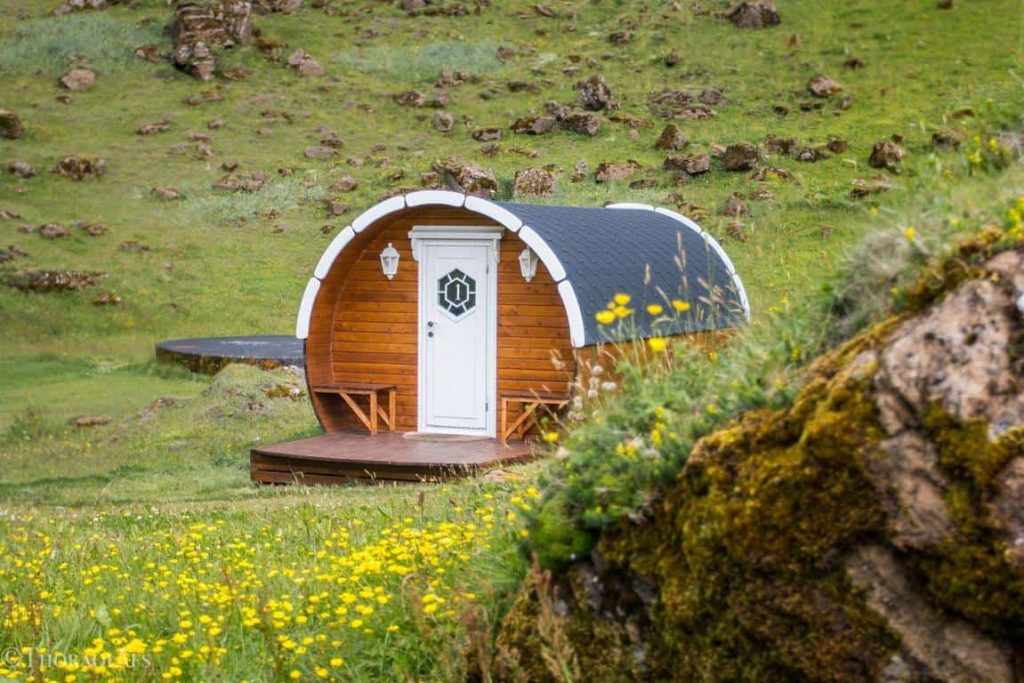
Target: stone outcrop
x=755 y=14
x=199 y=29
x=10 y=125
x=465 y=176
x=871 y=531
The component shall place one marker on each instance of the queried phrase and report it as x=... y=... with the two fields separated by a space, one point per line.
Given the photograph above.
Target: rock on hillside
x=873 y=531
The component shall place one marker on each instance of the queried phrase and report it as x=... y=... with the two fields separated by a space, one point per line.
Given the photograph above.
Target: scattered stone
x=824 y=86
x=488 y=134
x=150 y=52
x=53 y=231
x=741 y=156
x=854 y=63
x=240 y=73
x=737 y=231
x=215 y=124
x=466 y=177
x=776 y=145
x=8 y=215
x=611 y=172
x=10 y=125
x=91 y=229
x=863 y=188
x=696 y=113
x=735 y=206
x=945 y=4
x=301 y=62
x=559 y=111
x=644 y=184
x=755 y=14
x=92 y=420
x=583 y=123
x=761 y=194
x=712 y=96
x=106 y=299
x=533 y=125
x=153 y=128
x=947 y=139
x=43 y=281
x=168 y=193
x=671 y=139
x=409 y=98
x=320 y=152
x=21 y=169
x=762 y=173
x=534 y=182
x=522 y=86
x=595 y=94
x=837 y=145
x=811 y=154
x=695 y=165
x=78 y=79
x=132 y=247
x=443 y=121
x=887 y=154
x=79 y=167
x=671 y=59
x=580 y=171
x=335 y=208
x=345 y=183
x=620 y=37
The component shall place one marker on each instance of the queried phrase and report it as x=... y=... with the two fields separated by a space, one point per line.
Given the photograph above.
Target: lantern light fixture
x=389 y=261
x=528 y=264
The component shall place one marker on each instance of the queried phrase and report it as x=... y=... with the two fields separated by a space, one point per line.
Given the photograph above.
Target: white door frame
x=444 y=235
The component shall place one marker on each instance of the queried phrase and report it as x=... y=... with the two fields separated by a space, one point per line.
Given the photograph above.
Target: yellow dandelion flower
x=680 y=305
x=657 y=344
x=909 y=233
x=622 y=311
x=654 y=309
x=605 y=317
x=337 y=661
x=551 y=437
x=621 y=299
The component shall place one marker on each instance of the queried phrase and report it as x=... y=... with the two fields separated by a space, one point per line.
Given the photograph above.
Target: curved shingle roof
x=654 y=255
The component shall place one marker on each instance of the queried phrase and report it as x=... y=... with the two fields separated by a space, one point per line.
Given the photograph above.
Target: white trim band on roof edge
x=340 y=241
x=630 y=205
x=711 y=242
x=543 y=251
x=378 y=211
x=577 y=332
x=306 y=308
x=434 y=197
x=494 y=212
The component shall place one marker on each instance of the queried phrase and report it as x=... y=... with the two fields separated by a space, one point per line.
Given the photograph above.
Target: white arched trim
x=494 y=212
x=577 y=333
x=543 y=251
x=340 y=241
x=630 y=205
x=710 y=241
x=435 y=197
x=378 y=211
x=306 y=308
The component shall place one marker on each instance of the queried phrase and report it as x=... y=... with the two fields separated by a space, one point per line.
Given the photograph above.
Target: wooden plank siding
x=364 y=328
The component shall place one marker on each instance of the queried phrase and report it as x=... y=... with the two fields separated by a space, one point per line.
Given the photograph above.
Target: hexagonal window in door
x=456 y=293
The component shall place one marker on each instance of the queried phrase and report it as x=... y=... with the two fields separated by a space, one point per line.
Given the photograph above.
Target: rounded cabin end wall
x=364 y=327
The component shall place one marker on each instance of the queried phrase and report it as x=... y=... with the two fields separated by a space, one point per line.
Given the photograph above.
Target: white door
x=457 y=324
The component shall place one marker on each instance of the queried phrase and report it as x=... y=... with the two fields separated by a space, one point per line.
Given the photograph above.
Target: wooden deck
x=345 y=456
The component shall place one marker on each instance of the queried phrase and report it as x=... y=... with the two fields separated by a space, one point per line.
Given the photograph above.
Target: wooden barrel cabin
x=439 y=326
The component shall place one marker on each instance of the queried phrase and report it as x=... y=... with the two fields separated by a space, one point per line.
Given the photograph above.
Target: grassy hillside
x=214 y=262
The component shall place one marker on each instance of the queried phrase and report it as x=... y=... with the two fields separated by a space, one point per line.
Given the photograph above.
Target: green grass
x=215 y=264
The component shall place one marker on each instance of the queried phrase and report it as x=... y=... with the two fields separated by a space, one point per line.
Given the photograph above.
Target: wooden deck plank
x=344 y=456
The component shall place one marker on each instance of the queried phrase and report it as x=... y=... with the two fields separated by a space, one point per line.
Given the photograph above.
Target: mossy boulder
x=872 y=530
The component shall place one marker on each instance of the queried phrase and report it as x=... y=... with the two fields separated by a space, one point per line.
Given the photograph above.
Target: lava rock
x=595 y=94
x=741 y=156
x=43 y=281
x=78 y=79
x=533 y=125
x=824 y=86
x=583 y=123
x=610 y=172
x=466 y=176
x=80 y=167
x=10 y=125
x=735 y=207
x=887 y=154
x=755 y=14
x=671 y=139
x=534 y=182
x=21 y=169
